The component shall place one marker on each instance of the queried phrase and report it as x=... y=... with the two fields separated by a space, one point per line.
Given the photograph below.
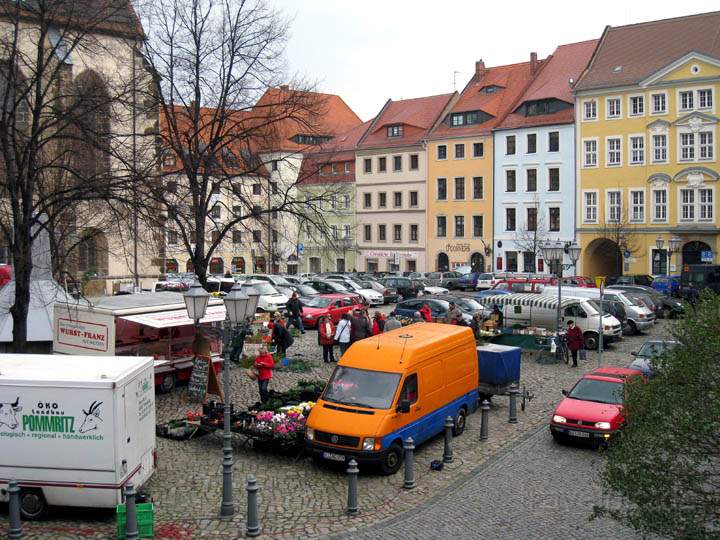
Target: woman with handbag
x=342 y=333
x=264 y=365
x=326 y=338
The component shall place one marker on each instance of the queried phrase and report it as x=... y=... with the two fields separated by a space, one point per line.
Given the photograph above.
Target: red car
x=521 y=285
x=593 y=410
x=335 y=305
x=577 y=281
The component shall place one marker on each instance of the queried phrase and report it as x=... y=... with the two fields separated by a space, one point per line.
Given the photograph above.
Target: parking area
x=298 y=498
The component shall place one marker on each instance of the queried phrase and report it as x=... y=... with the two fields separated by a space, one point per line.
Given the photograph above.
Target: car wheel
x=557 y=438
x=392 y=461
x=665 y=313
x=633 y=328
x=591 y=341
x=168 y=383
x=459 y=424
x=33 y=505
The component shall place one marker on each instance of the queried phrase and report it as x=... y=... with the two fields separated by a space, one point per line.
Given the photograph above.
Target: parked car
x=439 y=308
x=6 y=274
x=592 y=411
x=480 y=295
x=270 y=299
x=404 y=286
x=303 y=291
x=576 y=281
x=521 y=285
x=668 y=285
x=649 y=351
x=486 y=281
x=371 y=296
x=667 y=307
x=697 y=277
x=419 y=285
x=616 y=309
x=333 y=305
x=173 y=283
x=389 y=294
x=432 y=289
x=274 y=280
x=468 y=281
x=326 y=287
x=219 y=284
x=464 y=304
x=443 y=279
x=295 y=280
x=639 y=279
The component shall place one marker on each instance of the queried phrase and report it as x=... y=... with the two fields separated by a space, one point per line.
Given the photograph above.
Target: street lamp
x=674 y=247
x=554 y=251
x=196 y=302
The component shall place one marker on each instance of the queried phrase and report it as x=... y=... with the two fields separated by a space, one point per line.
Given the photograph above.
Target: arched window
x=92 y=254
x=90 y=112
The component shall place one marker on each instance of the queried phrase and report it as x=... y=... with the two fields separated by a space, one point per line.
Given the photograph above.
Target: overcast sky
x=371 y=50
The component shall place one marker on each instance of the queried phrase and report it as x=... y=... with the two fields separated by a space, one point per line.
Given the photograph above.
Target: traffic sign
x=706 y=256
x=300 y=249
x=627 y=254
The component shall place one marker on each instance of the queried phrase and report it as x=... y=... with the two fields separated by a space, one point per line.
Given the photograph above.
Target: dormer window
x=311 y=140
x=395 y=131
x=467 y=118
x=491 y=89
x=542 y=106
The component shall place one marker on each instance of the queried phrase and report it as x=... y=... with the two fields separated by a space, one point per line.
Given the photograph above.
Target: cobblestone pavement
x=298 y=498
x=535 y=489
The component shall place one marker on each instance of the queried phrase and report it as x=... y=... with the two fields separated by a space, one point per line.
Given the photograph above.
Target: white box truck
x=75 y=429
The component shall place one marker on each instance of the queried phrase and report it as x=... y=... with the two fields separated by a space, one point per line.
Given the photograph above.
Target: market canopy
x=178 y=317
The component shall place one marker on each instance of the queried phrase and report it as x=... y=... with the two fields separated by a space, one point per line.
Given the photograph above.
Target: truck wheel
x=393 y=460
x=459 y=424
x=591 y=341
x=33 y=505
x=168 y=383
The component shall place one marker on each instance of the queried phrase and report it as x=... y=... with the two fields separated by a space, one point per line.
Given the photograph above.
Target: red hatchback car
x=335 y=305
x=593 y=410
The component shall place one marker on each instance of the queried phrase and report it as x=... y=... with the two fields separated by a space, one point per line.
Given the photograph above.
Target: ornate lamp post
x=554 y=251
x=196 y=302
x=674 y=247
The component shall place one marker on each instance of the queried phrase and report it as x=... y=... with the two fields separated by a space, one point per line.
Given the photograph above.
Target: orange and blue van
x=386 y=388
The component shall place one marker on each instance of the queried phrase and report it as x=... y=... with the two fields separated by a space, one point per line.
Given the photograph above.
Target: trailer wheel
x=33 y=505
x=168 y=383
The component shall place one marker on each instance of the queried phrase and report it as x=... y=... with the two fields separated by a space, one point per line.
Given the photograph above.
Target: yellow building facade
x=647 y=161
x=459 y=203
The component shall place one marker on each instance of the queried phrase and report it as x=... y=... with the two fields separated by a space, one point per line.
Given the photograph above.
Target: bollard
x=513 y=403
x=484 y=419
x=352 y=504
x=131 y=526
x=15 y=528
x=409 y=447
x=448 y=452
x=252 y=528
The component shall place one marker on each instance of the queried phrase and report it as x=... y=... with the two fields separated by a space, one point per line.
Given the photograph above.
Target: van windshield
x=361 y=388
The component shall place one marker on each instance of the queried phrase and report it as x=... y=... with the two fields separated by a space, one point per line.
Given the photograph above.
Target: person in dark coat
x=295 y=308
x=574 y=340
x=360 y=326
x=281 y=338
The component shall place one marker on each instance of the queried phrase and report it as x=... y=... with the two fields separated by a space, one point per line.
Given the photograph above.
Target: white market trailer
x=75 y=429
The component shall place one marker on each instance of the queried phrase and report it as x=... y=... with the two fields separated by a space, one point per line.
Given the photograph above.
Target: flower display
x=287 y=423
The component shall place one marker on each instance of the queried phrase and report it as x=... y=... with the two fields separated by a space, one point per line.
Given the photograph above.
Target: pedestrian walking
x=575 y=341
x=295 y=308
x=426 y=312
x=392 y=323
x=281 y=338
x=343 y=332
x=265 y=365
x=326 y=338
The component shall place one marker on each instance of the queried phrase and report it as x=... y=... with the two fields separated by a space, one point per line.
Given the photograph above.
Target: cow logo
x=8 y=413
x=92 y=418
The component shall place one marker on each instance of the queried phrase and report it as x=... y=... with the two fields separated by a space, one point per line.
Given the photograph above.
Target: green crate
x=145 y=519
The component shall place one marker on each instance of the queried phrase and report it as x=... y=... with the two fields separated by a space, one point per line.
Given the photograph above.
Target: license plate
x=581 y=434
x=333 y=457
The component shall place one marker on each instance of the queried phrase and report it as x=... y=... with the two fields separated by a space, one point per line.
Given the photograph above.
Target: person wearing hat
x=452 y=314
x=295 y=309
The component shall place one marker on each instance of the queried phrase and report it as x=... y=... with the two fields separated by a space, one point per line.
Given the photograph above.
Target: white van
x=639 y=317
x=528 y=309
x=75 y=429
x=270 y=299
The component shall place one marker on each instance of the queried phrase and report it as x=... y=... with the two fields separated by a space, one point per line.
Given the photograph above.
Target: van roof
x=159 y=301
x=401 y=349
x=66 y=370
x=539 y=300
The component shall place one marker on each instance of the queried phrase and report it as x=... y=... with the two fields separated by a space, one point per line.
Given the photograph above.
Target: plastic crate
x=145 y=519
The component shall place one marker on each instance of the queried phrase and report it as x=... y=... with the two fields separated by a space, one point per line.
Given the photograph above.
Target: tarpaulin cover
x=499 y=364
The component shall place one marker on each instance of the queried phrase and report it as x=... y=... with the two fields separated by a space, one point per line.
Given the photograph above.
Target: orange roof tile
x=511 y=81
x=416 y=115
x=628 y=54
x=552 y=81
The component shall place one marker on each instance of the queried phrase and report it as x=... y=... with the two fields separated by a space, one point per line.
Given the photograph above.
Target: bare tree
x=531 y=238
x=56 y=131
x=223 y=125
x=622 y=233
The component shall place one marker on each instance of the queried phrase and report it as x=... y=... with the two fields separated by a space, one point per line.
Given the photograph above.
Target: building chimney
x=284 y=87
x=534 y=64
x=480 y=69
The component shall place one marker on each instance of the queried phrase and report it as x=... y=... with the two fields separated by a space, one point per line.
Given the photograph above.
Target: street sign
x=706 y=256
x=627 y=254
x=396 y=258
x=300 y=249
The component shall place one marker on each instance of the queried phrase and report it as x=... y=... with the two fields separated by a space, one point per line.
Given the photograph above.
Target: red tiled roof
x=316 y=114
x=511 y=80
x=568 y=61
x=417 y=116
x=644 y=48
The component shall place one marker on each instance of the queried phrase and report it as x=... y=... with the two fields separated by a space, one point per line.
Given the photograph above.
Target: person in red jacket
x=265 y=365
x=426 y=312
x=326 y=337
x=575 y=341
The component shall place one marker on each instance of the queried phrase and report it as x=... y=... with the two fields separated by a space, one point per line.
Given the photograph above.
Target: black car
x=638 y=279
x=667 y=307
x=405 y=287
x=697 y=277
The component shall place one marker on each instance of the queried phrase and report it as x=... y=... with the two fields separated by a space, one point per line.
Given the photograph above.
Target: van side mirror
x=564 y=392
x=403 y=406
x=634 y=353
